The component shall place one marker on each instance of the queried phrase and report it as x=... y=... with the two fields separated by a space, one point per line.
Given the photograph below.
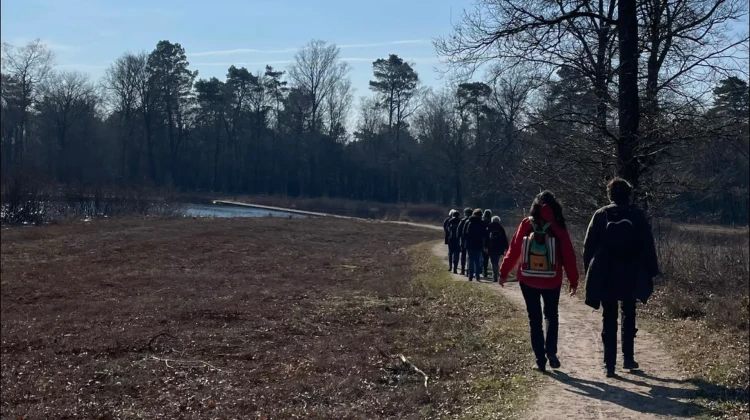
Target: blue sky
x=89 y=34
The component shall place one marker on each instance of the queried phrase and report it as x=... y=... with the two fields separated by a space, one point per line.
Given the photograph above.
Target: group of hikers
x=619 y=260
x=480 y=236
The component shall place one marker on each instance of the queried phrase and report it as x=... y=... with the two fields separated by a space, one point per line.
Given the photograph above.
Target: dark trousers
x=542 y=346
x=495 y=260
x=475 y=263
x=485 y=262
x=453 y=251
x=609 y=331
x=463 y=258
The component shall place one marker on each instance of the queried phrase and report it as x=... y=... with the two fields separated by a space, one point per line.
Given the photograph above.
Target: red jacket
x=564 y=253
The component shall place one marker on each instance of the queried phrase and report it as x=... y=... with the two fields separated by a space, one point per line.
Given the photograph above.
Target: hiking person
x=543 y=246
x=620 y=262
x=445 y=224
x=462 y=240
x=487 y=219
x=497 y=244
x=454 y=247
x=475 y=233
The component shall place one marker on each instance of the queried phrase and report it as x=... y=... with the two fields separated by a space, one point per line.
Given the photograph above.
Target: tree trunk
x=628 y=165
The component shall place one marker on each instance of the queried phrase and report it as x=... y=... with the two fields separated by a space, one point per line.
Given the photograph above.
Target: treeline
x=529 y=123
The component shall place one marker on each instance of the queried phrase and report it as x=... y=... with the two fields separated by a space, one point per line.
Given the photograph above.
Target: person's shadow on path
x=660 y=400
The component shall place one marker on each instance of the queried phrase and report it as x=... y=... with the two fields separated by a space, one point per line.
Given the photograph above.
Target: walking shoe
x=463 y=272
x=630 y=364
x=455 y=271
x=542 y=366
x=450 y=268
x=611 y=372
x=554 y=362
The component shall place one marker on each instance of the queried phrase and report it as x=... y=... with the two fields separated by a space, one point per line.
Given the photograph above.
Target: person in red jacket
x=543 y=245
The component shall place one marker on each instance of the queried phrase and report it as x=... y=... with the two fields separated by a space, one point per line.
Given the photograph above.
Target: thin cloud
x=383 y=44
x=260 y=63
x=291 y=50
x=241 y=51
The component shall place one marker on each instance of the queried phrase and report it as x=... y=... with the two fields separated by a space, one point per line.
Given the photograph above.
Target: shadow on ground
x=660 y=400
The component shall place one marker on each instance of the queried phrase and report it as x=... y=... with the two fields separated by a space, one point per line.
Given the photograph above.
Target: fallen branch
x=406 y=362
x=198 y=362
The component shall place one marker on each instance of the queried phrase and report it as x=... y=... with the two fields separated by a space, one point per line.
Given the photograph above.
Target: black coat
x=461 y=230
x=445 y=228
x=499 y=248
x=610 y=278
x=452 y=222
x=475 y=232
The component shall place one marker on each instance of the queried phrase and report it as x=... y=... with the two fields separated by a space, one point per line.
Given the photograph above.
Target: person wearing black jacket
x=620 y=260
x=461 y=241
x=445 y=225
x=497 y=244
x=453 y=242
x=475 y=232
x=487 y=219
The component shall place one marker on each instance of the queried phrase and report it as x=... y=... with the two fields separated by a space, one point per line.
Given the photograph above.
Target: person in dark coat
x=445 y=224
x=620 y=260
x=462 y=241
x=475 y=233
x=497 y=244
x=487 y=219
x=454 y=247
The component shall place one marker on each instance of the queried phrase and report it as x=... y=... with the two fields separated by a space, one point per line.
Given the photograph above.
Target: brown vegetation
x=247 y=317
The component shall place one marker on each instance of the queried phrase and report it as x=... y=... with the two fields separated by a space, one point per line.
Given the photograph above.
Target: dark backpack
x=620 y=236
x=496 y=240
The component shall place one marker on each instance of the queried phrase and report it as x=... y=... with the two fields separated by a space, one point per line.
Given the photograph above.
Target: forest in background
x=533 y=105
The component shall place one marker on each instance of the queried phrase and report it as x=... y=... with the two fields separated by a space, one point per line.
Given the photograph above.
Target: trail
x=579 y=389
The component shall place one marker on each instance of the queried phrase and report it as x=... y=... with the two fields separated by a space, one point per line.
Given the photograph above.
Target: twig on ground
x=198 y=362
x=406 y=362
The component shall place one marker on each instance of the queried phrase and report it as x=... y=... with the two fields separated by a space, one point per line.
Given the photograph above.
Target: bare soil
x=247 y=318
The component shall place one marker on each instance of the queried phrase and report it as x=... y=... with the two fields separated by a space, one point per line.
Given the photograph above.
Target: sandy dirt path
x=579 y=389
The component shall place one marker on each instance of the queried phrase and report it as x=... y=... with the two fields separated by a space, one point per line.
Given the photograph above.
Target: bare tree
x=316 y=72
x=338 y=105
x=26 y=67
x=121 y=82
x=66 y=98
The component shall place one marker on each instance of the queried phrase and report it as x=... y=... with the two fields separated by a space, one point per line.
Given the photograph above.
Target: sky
x=88 y=35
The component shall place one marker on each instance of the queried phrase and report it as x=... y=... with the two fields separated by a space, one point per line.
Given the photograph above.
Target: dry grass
x=248 y=318
x=700 y=307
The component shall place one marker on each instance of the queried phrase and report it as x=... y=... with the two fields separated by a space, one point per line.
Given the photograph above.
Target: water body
x=221 y=210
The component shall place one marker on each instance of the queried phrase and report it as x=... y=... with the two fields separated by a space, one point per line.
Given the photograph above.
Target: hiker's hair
x=619 y=191
x=487 y=215
x=467 y=211
x=496 y=219
x=547 y=198
x=450 y=213
x=477 y=212
x=455 y=214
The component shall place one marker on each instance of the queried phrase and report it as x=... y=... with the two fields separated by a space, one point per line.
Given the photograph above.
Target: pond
x=222 y=210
